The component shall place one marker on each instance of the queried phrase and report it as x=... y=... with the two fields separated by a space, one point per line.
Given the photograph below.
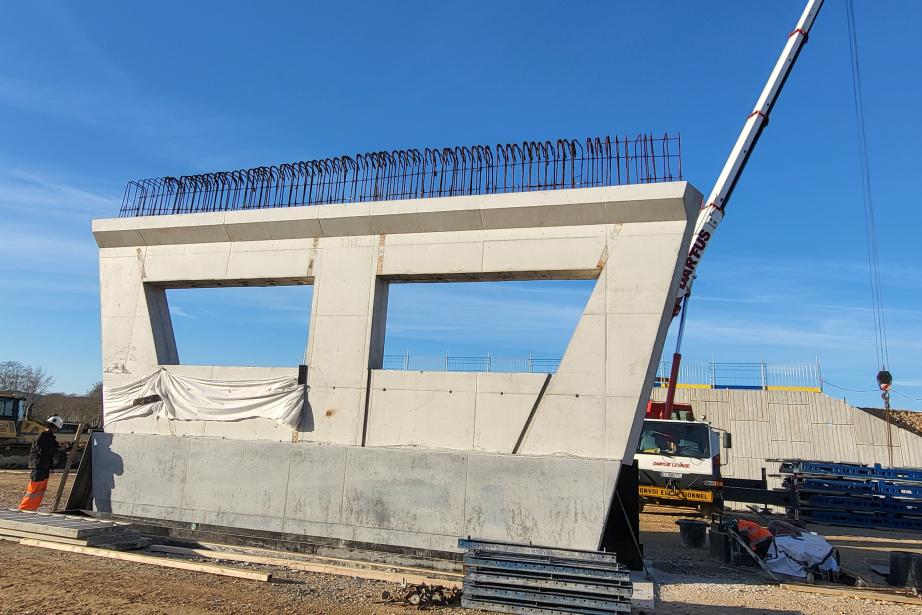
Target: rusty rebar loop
x=413 y=174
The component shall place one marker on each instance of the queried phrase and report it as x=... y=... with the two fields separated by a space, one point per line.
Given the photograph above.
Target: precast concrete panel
x=315 y=486
x=404 y=490
x=404 y=445
x=128 y=473
x=257 y=486
x=540 y=500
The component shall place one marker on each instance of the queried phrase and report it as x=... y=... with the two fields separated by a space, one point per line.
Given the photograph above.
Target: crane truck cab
x=678 y=458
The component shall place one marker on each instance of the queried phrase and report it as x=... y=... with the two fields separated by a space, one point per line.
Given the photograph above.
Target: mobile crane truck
x=678 y=457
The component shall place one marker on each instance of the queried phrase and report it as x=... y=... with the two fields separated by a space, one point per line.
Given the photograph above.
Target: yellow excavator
x=18 y=431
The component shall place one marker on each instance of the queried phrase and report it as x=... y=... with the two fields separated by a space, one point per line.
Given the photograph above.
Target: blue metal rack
x=854 y=495
x=863 y=504
x=850 y=470
x=857 y=520
x=870 y=487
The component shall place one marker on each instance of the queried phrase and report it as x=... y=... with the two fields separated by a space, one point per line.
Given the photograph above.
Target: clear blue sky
x=94 y=95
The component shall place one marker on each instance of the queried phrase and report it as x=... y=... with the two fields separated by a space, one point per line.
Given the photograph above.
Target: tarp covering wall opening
x=180 y=398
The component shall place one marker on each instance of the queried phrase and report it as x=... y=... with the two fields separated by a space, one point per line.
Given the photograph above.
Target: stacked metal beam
x=854 y=495
x=511 y=578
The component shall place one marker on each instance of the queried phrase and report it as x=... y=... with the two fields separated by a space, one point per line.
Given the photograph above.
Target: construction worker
x=41 y=459
x=760 y=538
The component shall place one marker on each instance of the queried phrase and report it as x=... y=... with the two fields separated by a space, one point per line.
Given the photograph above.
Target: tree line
x=34 y=384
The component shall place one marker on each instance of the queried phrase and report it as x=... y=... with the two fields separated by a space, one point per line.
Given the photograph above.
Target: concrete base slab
x=422 y=499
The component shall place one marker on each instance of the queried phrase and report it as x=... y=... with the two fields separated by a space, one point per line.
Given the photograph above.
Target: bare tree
x=37 y=382
x=30 y=382
x=11 y=376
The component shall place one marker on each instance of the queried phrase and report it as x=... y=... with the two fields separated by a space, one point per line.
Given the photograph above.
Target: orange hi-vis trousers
x=34 y=494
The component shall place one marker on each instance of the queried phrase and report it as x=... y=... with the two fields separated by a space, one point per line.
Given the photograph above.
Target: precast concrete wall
x=631 y=240
x=796 y=425
x=421 y=499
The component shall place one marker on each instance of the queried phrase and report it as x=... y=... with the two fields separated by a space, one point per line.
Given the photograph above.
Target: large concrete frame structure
x=414 y=459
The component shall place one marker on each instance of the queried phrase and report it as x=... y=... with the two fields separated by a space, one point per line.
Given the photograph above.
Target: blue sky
x=93 y=97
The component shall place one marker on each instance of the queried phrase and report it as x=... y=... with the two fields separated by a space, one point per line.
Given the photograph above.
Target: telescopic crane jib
x=713 y=208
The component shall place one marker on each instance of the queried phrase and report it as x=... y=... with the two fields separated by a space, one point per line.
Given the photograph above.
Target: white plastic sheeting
x=794 y=555
x=195 y=399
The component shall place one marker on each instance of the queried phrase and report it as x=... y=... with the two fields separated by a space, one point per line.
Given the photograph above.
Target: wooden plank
x=312 y=558
x=68 y=464
x=346 y=571
x=149 y=559
x=896 y=538
x=875 y=549
x=864 y=594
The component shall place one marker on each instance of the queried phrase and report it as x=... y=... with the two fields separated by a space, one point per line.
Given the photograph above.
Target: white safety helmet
x=55 y=420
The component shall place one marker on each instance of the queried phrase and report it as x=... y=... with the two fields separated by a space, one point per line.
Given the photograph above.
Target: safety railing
x=702 y=375
x=754 y=376
x=488 y=363
x=413 y=174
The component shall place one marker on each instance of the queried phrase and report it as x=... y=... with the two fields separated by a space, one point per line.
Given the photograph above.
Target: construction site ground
x=688 y=582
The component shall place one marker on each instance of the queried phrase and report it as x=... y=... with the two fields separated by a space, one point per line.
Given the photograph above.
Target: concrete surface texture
x=422 y=499
x=631 y=240
x=796 y=425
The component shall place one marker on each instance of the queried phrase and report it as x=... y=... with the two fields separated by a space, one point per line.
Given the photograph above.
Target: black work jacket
x=44 y=448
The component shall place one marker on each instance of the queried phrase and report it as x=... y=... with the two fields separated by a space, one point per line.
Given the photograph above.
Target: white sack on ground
x=195 y=399
x=793 y=556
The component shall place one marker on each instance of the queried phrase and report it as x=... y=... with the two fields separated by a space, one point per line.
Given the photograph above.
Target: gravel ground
x=45 y=581
x=13 y=487
x=690 y=583
x=34 y=580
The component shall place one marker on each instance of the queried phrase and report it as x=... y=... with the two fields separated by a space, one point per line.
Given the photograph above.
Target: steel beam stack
x=854 y=495
x=511 y=578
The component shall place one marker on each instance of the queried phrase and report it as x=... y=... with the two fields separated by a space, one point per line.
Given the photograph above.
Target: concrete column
x=347 y=336
x=161 y=325
x=595 y=399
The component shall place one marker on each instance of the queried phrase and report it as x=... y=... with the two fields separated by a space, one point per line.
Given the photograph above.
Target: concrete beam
x=577 y=207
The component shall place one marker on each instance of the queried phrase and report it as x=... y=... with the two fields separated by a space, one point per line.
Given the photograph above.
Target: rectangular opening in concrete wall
x=264 y=326
x=521 y=326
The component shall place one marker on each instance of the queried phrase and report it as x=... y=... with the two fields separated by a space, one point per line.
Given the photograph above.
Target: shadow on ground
x=677 y=608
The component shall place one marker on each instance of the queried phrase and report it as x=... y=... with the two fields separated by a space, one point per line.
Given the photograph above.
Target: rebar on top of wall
x=415 y=174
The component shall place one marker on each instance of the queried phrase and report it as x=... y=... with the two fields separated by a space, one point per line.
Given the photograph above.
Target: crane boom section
x=713 y=211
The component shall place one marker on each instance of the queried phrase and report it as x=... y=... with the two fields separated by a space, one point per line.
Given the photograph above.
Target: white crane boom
x=713 y=210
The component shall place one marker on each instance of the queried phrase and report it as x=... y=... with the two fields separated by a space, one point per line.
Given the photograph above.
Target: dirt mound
x=904 y=419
